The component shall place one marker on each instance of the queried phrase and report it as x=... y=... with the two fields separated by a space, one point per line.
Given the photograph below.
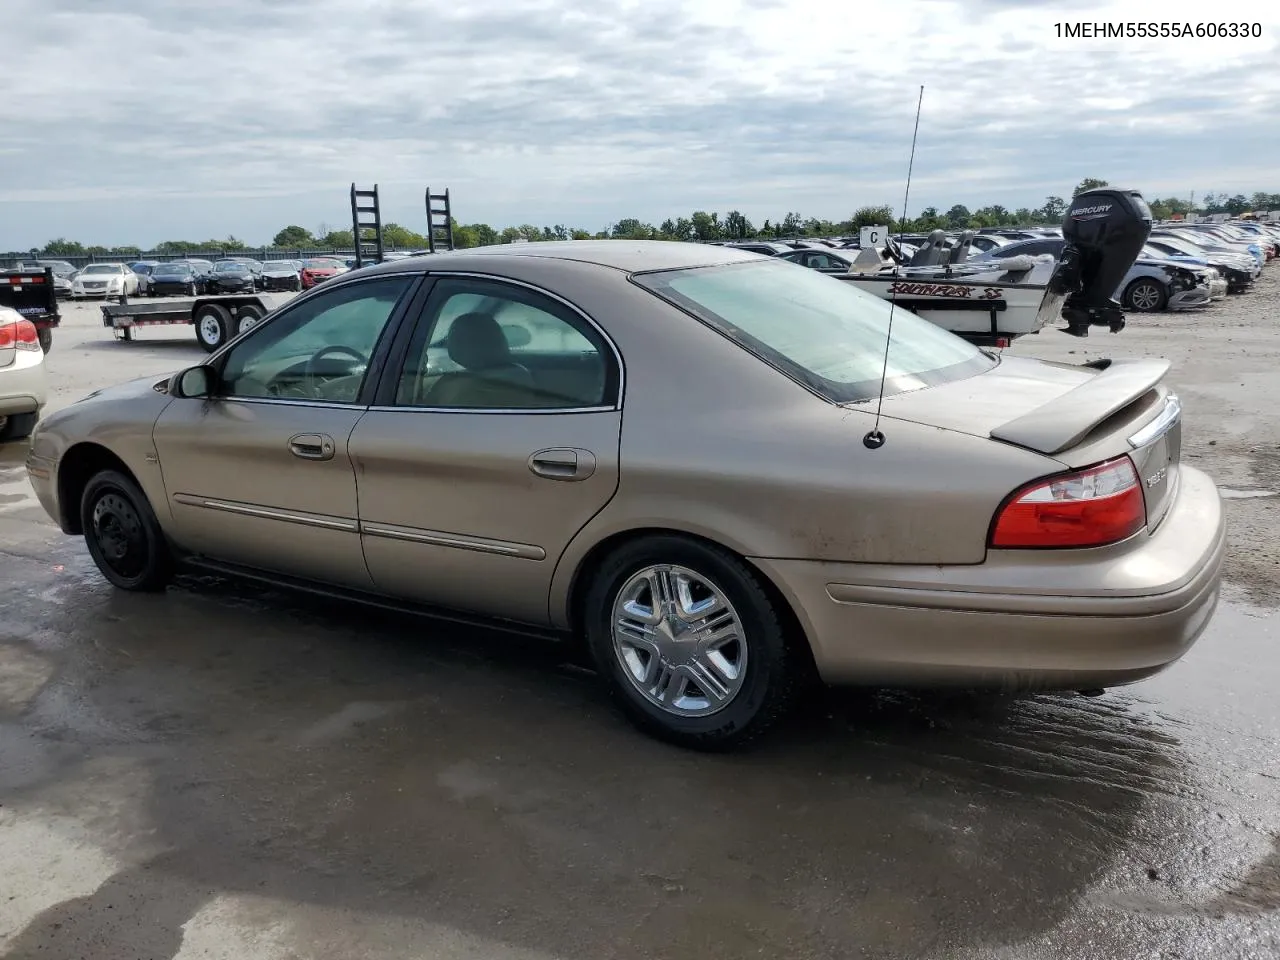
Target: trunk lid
x=1077 y=415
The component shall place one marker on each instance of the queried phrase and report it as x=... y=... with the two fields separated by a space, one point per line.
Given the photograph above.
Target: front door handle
x=312 y=446
x=563 y=463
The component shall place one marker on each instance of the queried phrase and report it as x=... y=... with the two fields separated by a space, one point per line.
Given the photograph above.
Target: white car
x=104 y=280
x=23 y=390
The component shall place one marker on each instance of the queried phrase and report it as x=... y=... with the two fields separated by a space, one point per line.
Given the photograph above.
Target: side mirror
x=193 y=383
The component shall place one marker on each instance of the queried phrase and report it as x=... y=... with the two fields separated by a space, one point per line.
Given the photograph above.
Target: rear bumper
x=1023 y=619
x=23 y=385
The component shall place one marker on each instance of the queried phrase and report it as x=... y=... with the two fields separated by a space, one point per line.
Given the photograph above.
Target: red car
x=314 y=271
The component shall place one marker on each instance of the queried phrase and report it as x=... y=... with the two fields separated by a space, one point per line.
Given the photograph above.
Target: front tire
x=1146 y=296
x=689 y=643
x=45 y=336
x=123 y=534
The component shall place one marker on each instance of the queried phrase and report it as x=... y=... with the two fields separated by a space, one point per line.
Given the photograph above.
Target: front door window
x=319 y=350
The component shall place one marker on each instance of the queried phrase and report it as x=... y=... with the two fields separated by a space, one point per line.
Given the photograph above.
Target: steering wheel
x=310 y=369
x=895 y=252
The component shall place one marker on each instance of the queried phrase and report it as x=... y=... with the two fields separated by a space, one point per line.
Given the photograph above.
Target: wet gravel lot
x=224 y=771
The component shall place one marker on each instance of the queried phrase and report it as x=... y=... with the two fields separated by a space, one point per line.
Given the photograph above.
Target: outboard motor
x=1105 y=229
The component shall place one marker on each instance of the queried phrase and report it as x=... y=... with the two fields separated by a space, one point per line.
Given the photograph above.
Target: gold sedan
x=661 y=447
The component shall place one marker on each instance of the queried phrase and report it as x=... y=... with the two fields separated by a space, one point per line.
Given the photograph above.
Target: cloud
x=152 y=119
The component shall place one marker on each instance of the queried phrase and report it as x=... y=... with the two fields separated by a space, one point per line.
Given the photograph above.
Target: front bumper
x=1023 y=620
x=279 y=283
x=1197 y=296
x=24 y=387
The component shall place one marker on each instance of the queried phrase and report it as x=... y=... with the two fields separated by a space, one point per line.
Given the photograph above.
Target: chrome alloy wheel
x=679 y=640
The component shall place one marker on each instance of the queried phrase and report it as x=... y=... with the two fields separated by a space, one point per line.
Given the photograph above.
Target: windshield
x=231 y=267
x=171 y=270
x=278 y=266
x=95 y=268
x=322 y=264
x=819 y=330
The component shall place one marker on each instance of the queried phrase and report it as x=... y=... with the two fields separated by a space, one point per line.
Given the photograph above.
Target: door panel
x=473 y=510
x=493 y=441
x=265 y=484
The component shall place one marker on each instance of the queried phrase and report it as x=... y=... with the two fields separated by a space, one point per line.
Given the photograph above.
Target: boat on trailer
x=993 y=304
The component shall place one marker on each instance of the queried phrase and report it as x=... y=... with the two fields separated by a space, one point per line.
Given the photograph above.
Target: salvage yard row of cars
x=1183 y=265
x=187 y=276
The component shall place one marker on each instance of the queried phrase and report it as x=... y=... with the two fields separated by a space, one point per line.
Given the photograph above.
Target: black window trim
x=377 y=362
x=384 y=396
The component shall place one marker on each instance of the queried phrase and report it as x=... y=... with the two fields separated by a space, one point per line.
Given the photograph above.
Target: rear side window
x=817 y=329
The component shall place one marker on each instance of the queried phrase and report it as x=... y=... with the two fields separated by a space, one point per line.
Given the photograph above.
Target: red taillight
x=21 y=334
x=1087 y=508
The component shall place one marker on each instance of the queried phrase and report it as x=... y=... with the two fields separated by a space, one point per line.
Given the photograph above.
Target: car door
x=259 y=474
x=492 y=442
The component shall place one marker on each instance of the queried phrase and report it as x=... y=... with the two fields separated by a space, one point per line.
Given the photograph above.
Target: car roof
x=628 y=256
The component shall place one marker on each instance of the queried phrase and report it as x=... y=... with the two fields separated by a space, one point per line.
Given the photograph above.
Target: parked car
x=281 y=275
x=1216 y=233
x=1236 y=269
x=1149 y=285
x=831 y=261
x=318 y=270
x=230 y=276
x=104 y=280
x=1218 y=286
x=23 y=387
x=142 y=269
x=1213 y=244
x=255 y=267
x=1067 y=546
x=63 y=272
x=765 y=247
x=177 y=278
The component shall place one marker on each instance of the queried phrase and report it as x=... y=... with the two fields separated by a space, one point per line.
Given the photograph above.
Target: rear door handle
x=312 y=446
x=563 y=463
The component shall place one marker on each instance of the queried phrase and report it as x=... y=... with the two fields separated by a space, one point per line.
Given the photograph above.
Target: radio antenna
x=874 y=439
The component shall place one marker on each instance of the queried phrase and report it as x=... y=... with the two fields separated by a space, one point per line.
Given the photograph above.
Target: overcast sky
x=144 y=120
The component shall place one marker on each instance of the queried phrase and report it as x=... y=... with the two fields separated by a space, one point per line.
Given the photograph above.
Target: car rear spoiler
x=1064 y=422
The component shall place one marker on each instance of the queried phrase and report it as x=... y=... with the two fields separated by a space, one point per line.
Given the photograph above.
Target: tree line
x=701 y=226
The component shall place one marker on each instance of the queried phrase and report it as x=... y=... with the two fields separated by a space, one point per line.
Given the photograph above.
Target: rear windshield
x=817 y=329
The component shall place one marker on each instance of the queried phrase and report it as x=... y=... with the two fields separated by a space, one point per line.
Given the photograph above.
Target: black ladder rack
x=439 y=222
x=368 y=249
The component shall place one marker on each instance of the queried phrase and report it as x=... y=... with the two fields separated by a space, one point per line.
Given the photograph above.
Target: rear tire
x=17 y=426
x=213 y=326
x=1146 y=295
x=123 y=534
x=757 y=668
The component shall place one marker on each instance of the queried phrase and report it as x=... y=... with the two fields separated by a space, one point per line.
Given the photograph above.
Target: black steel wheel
x=123 y=535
